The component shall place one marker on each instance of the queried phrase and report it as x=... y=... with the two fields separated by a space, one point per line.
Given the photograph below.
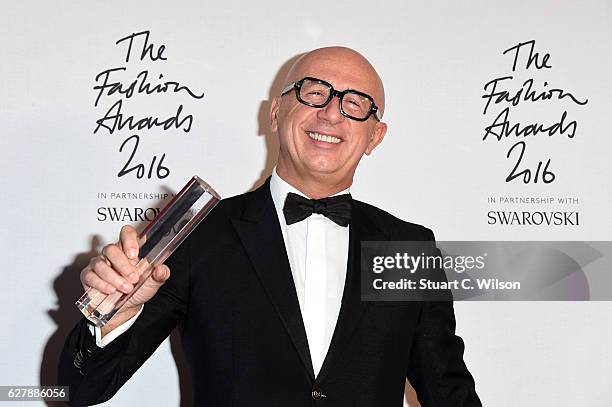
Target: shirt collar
x=279 y=188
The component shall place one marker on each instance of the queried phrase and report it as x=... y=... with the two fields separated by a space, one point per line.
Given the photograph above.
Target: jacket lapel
x=260 y=233
x=352 y=308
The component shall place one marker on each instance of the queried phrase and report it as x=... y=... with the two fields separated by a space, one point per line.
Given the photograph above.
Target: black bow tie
x=335 y=208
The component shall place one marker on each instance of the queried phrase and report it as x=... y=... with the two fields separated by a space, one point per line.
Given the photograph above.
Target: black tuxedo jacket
x=243 y=335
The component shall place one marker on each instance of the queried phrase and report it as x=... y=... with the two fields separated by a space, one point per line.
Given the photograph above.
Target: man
x=269 y=297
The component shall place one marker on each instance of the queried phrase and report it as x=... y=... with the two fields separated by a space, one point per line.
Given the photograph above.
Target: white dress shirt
x=317 y=249
x=318 y=253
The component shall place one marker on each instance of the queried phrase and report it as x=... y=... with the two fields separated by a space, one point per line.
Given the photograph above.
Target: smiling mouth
x=324 y=138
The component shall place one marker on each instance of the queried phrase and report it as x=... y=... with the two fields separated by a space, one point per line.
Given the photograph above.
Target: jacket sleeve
x=95 y=374
x=436 y=368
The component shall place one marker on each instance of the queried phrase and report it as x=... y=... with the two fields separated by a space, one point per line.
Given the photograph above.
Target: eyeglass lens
x=318 y=95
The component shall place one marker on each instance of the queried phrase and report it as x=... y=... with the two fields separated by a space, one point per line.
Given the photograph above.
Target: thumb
x=160 y=274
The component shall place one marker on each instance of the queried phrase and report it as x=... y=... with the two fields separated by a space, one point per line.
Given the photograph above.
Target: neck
x=314 y=188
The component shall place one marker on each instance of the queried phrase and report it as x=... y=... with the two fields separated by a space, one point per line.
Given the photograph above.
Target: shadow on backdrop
x=68 y=288
x=263 y=122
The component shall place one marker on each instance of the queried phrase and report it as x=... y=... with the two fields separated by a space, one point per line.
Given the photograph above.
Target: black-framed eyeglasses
x=317 y=93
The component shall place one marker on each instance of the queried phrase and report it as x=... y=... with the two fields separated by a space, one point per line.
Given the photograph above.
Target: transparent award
x=159 y=239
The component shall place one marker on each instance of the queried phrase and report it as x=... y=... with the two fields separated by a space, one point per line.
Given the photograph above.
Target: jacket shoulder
x=236 y=204
x=251 y=205
x=396 y=228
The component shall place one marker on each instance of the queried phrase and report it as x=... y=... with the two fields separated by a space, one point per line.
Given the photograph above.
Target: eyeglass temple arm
x=376 y=112
x=288 y=88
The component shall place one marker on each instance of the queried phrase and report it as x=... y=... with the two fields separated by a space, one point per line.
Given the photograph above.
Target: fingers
x=128 y=238
x=115 y=269
x=161 y=274
x=90 y=279
x=102 y=275
x=119 y=262
x=111 y=271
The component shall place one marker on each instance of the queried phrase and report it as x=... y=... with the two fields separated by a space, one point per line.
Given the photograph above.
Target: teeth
x=322 y=137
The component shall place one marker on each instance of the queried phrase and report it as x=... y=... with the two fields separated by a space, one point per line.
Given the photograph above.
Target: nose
x=331 y=112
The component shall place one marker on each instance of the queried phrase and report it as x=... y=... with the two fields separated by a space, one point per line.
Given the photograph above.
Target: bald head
x=343 y=67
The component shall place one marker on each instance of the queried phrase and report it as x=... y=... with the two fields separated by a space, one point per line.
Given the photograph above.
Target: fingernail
x=126 y=287
x=133 y=277
x=132 y=253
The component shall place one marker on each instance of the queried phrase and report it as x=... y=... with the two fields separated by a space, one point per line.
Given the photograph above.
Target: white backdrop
x=60 y=178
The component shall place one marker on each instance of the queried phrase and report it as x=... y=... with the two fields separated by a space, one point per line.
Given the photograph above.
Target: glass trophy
x=159 y=239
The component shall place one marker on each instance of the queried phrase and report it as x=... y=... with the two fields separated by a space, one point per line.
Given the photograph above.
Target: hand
x=114 y=270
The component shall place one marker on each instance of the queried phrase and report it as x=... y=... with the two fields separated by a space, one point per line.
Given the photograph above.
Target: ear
x=274 y=106
x=380 y=129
